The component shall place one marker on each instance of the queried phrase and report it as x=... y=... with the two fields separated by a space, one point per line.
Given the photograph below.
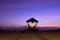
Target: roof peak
x=32 y=20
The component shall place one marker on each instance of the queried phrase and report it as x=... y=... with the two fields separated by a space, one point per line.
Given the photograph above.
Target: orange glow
x=11 y=25
x=32 y=24
x=55 y=24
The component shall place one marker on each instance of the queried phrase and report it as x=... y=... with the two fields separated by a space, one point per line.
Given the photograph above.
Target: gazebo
x=32 y=23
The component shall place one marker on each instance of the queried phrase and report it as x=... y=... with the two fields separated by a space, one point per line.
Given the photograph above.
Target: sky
x=16 y=12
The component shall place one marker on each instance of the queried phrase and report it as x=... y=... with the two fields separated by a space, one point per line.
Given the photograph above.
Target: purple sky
x=18 y=11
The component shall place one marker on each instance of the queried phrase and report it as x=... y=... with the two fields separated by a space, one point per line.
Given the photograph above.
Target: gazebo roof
x=32 y=20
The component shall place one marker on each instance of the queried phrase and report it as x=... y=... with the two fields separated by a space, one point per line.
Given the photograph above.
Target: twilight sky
x=16 y=12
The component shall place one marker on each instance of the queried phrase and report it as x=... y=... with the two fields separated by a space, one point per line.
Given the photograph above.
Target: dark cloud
x=27 y=1
x=21 y=4
x=17 y=1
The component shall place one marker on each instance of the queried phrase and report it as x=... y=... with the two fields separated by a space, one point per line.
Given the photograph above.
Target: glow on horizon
x=38 y=25
x=49 y=25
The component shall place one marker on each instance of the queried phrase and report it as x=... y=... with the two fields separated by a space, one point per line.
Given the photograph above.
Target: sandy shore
x=29 y=35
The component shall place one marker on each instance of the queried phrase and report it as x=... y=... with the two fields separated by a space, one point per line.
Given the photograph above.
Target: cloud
x=27 y=3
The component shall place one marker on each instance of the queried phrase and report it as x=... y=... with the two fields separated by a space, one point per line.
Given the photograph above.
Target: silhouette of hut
x=32 y=20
